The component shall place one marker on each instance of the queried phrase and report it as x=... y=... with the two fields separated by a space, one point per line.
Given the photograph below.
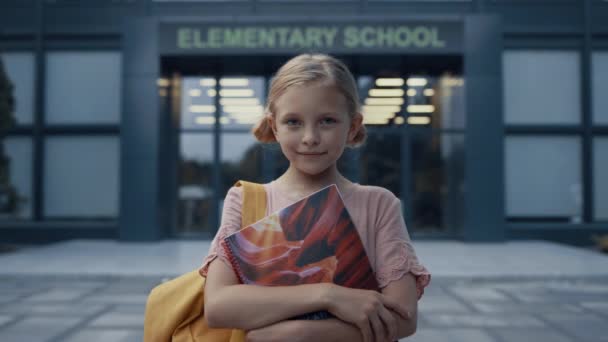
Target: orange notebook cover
x=310 y=241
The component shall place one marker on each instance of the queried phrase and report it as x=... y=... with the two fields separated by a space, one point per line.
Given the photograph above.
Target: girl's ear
x=273 y=125
x=355 y=126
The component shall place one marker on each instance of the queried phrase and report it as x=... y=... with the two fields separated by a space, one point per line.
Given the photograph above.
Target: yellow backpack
x=175 y=309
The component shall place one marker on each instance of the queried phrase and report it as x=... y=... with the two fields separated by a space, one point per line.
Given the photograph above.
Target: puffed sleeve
x=231 y=222
x=395 y=255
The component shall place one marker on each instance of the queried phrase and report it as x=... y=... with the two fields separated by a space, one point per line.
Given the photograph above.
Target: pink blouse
x=376 y=213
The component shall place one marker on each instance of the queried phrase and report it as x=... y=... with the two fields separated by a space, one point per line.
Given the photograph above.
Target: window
x=19 y=203
x=542 y=87
x=19 y=67
x=599 y=87
x=195 y=197
x=81 y=177
x=83 y=87
x=543 y=178
x=600 y=186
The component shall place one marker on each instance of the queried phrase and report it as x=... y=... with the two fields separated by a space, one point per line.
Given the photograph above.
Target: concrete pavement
x=516 y=291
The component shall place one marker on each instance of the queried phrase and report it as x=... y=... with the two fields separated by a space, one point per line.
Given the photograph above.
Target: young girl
x=313 y=112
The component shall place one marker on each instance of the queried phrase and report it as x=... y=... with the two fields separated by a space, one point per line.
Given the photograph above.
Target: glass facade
x=69 y=82
x=19 y=153
x=600 y=169
x=195 y=200
x=543 y=178
x=420 y=116
x=20 y=69
x=83 y=87
x=81 y=177
x=542 y=87
x=599 y=87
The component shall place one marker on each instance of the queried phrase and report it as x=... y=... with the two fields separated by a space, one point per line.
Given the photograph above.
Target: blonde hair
x=305 y=69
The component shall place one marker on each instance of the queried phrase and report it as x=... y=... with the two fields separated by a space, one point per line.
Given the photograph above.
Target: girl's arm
x=403 y=290
x=247 y=307
x=327 y=330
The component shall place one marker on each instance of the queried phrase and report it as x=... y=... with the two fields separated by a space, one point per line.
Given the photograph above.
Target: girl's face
x=312 y=126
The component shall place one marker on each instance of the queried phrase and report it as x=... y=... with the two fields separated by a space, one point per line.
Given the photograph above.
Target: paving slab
x=174 y=257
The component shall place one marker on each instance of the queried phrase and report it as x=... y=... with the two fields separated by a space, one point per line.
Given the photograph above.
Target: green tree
x=8 y=195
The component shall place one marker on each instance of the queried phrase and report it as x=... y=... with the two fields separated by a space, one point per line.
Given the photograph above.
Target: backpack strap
x=254 y=202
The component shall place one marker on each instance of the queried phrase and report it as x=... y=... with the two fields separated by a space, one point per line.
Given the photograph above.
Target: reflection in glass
x=380 y=165
x=198 y=102
x=195 y=194
x=415 y=100
x=600 y=185
x=81 y=177
x=19 y=67
x=241 y=101
x=437 y=165
x=241 y=159
x=543 y=177
x=599 y=87
x=83 y=87
x=542 y=87
x=19 y=153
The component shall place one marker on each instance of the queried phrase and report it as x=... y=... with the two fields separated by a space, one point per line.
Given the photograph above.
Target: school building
x=488 y=118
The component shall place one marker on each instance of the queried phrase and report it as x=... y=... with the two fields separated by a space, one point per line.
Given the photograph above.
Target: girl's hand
x=368 y=310
x=281 y=331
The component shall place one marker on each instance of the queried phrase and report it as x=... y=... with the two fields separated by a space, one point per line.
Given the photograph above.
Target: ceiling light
x=389 y=82
x=234 y=82
x=416 y=82
x=418 y=120
x=207 y=82
x=386 y=92
x=420 y=108
x=205 y=120
x=195 y=92
x=384 y=101
x=236 y=92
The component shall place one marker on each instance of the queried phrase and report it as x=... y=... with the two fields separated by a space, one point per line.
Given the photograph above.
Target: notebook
x=310 y=241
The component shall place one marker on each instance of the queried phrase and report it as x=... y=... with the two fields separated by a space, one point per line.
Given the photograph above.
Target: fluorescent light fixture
x=234 y=82
x=162 y=82
x=202 y=109
x=377 y=116
x=399 y=120
x=205 y=120
x=420 y=108
x=429 y=92
x=386 y=92
x=236 y=92
x=453 y=82
x=411 y=92
x=211 y=92
x=248 y=101
x=207 y=82
x=418 y=120
x=376 y=121
x=381 y=109
x=389 y=82
x=416 y=82
x=384 y=101
x=195 y=92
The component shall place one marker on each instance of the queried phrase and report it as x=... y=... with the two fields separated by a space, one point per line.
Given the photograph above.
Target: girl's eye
x=291 y=122
x=328 y=121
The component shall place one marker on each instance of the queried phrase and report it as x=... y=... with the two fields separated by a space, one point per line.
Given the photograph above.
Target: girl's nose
x=311 y=137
